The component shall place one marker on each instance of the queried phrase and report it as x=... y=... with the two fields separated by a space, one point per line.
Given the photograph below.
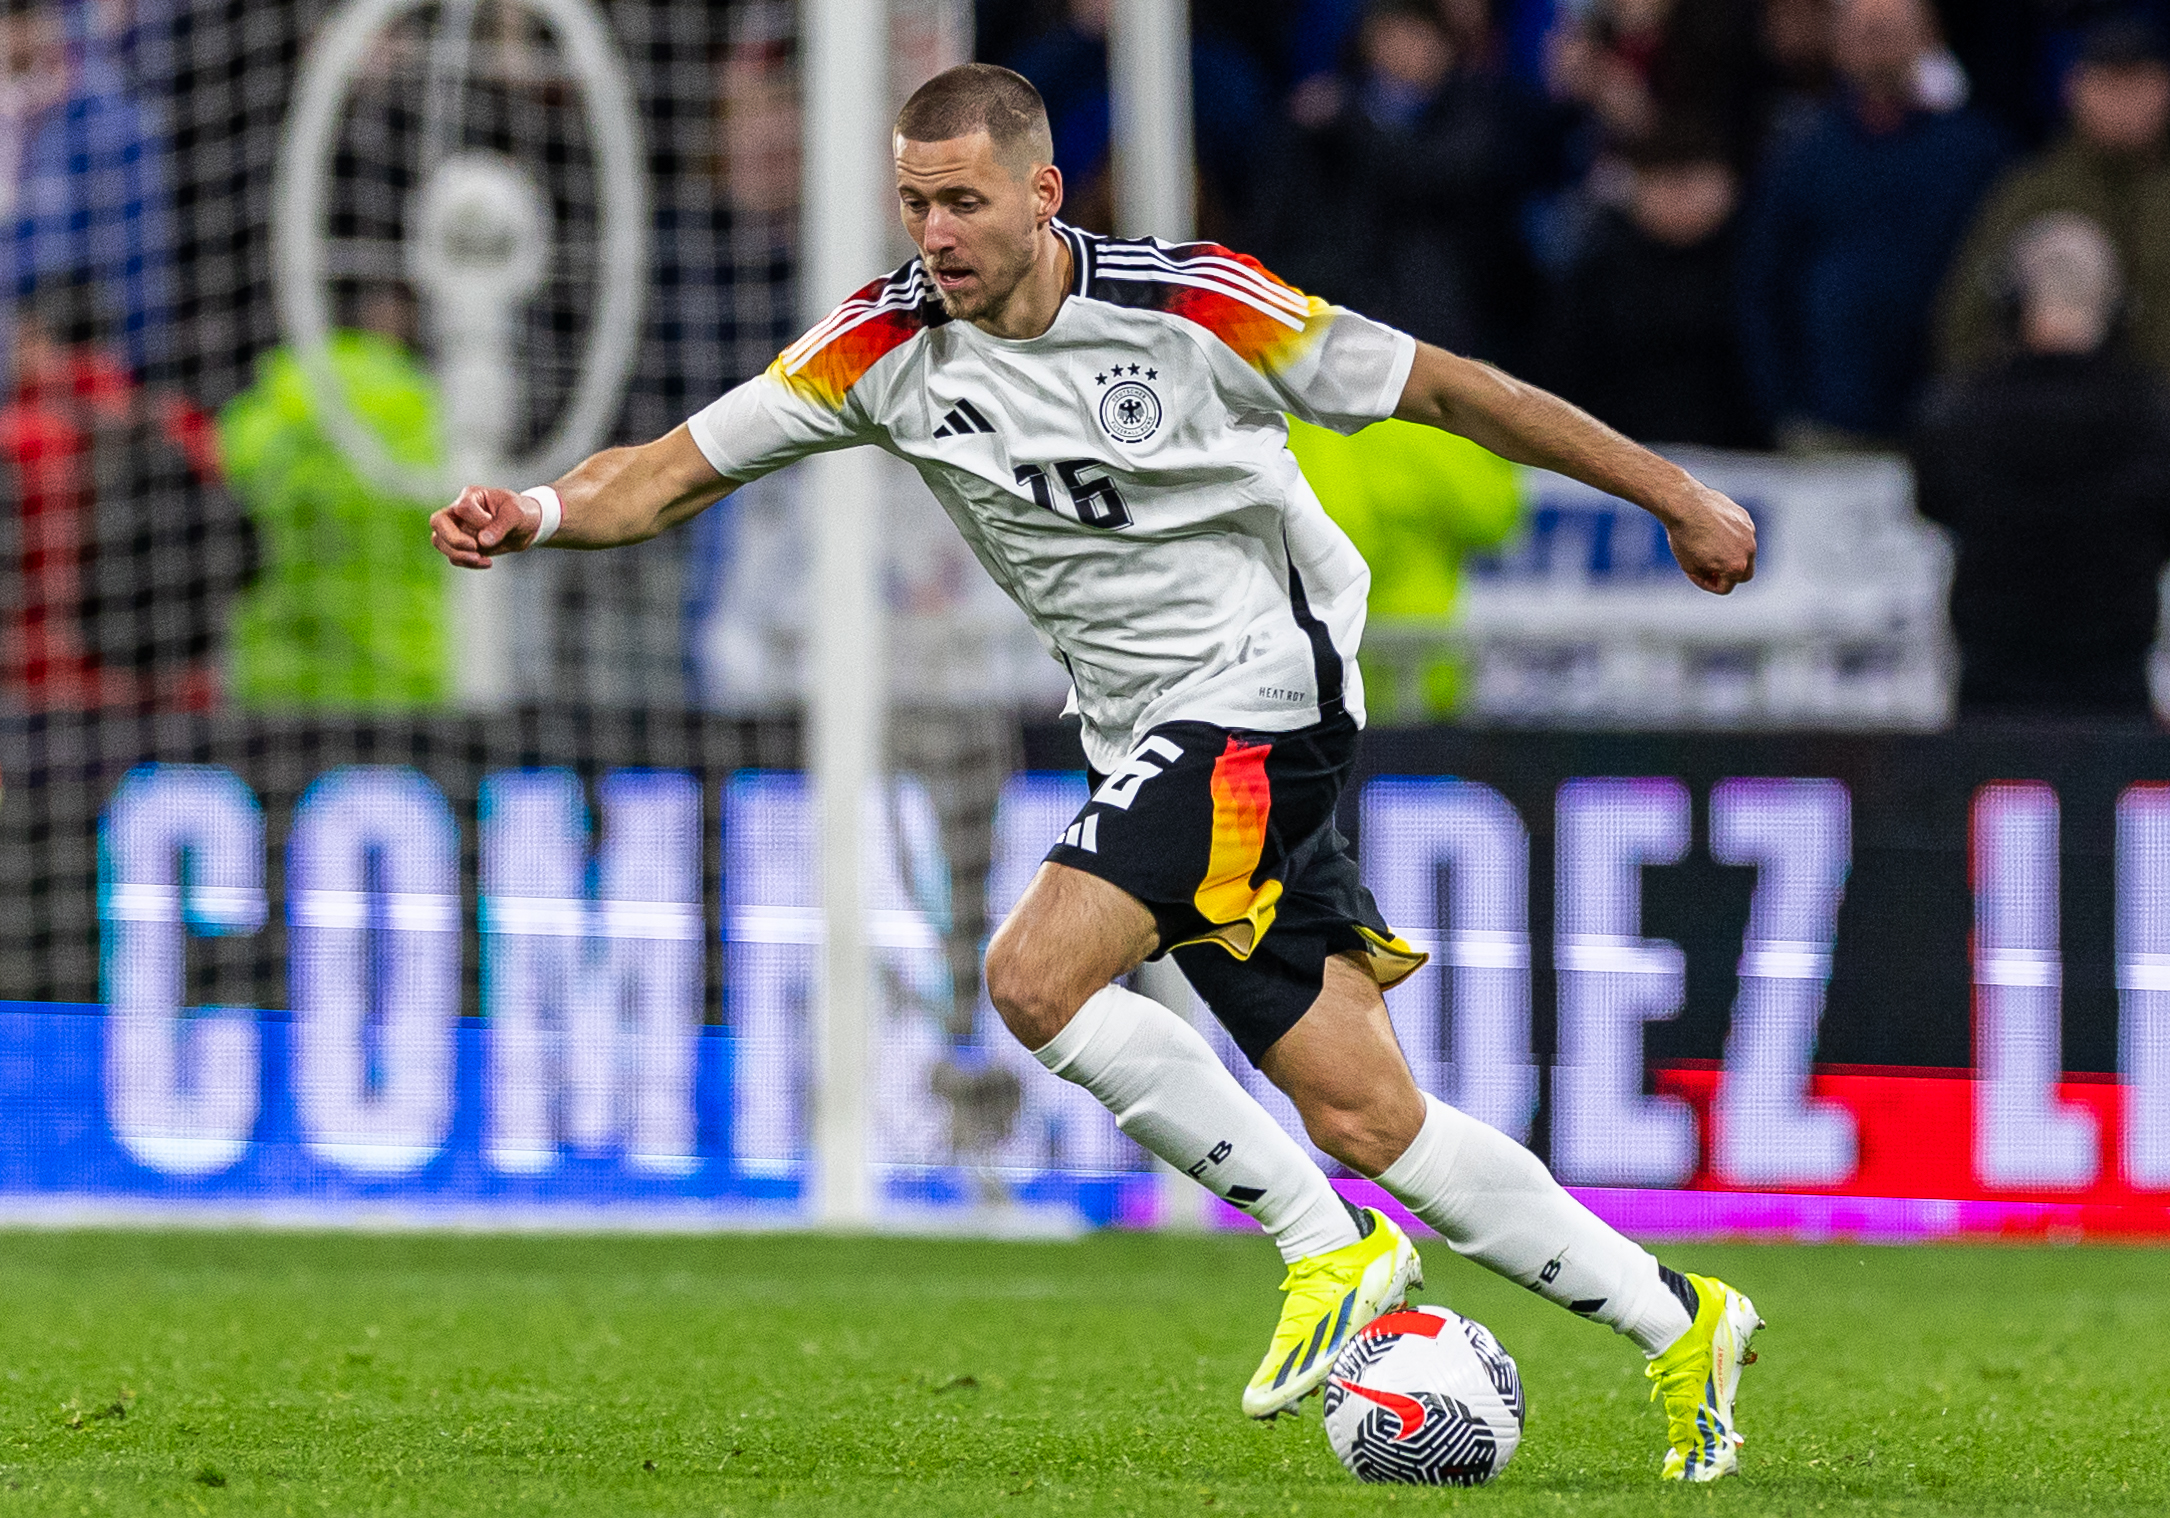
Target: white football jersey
x=1125 y=476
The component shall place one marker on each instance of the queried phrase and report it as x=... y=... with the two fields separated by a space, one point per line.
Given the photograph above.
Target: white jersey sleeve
x=764 y=424
x=809 y=400
x=1299 y=354
x=1337 y=369
x=1348 y=373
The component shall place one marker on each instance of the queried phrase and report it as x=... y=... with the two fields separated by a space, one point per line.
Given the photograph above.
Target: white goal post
x=847 y=215
x=846 y=212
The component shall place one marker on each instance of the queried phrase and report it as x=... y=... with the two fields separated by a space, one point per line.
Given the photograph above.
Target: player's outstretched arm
x=621 y=495
x=1712 y=537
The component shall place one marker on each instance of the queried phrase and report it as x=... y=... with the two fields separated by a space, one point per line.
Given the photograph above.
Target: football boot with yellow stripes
x=1697 y=1378
x=1330 y=1297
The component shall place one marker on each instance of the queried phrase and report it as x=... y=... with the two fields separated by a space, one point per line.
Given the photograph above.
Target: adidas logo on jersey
x=963 y=418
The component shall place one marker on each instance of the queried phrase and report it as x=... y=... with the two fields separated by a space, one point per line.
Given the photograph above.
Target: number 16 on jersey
x=1094 y=500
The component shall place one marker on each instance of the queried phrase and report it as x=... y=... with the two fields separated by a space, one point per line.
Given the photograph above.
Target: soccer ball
x=1426 y=1397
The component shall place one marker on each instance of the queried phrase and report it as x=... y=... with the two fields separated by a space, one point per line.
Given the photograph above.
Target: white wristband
x=553 y=513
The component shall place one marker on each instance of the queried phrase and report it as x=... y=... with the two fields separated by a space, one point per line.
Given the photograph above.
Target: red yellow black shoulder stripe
x=823 y=365
x=1260 y=316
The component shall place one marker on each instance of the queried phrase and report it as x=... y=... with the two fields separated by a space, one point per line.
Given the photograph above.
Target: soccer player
x=1104 y=420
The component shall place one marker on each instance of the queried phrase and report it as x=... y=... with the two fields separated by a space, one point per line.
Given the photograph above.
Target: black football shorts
x=1228 y=837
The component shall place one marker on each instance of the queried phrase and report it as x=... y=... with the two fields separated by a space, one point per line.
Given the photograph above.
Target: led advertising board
x=1899 y=988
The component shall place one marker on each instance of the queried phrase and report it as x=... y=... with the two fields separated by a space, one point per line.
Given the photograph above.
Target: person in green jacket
x=1414 y=500
x=2112 y=167
x=349 y=611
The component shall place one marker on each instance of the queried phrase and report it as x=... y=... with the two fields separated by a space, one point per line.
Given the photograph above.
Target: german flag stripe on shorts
x=1228 y=838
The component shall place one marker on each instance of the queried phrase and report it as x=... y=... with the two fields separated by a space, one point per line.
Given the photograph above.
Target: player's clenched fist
x=1714 y=540
x=483 y=523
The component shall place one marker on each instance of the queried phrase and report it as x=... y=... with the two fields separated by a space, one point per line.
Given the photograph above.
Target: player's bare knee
x=1030 y=998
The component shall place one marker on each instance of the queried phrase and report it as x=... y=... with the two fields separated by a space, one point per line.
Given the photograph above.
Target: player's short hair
x=980 y=97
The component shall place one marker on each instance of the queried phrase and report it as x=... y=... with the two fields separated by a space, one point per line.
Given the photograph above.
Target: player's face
x=974 y=219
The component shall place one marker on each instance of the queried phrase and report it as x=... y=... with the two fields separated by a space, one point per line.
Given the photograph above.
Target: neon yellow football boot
x=1698 y=1376
x=1330 y=1297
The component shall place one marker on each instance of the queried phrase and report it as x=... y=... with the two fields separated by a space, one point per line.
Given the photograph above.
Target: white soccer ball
x=1426 y=1397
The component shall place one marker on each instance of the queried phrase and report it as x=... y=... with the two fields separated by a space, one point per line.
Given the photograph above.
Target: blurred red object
x=63 y=398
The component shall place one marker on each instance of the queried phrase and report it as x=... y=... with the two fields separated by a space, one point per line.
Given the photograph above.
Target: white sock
x=1170 y=1093
x=1494 y=1201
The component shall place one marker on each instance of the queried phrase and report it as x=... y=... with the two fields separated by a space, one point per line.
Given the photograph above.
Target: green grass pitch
x=267 y=1373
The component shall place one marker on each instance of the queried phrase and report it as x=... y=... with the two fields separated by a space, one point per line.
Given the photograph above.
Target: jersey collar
x=1081 y=255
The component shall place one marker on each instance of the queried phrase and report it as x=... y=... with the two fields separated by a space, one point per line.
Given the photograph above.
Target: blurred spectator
x=1799 y=72
x=2110 y=167
x=124 y=27
x=1415 y=501
x=1850 y=233
x=2053 y=473
x=1619 y=72
x=1230 y=107
x=126 y=548
x=350 y=611
x=1644 y=331
x=757 y=173
x=1263 y=31
x=1400 y=197
x=1636 y=63
x=83 y=186
x=2018 y=53
x=757 y=132
x=1001 y=29
x=1322 y=34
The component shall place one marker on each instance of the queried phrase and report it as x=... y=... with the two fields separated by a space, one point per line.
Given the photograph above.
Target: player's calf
x=1494 y=1202
x=1344 y=1071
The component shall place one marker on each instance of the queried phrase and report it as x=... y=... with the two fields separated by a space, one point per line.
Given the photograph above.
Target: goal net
x=527 y=918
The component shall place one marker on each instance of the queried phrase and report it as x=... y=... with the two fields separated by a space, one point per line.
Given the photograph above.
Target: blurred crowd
x=166 y=557
x=1803 y=225
x=1735 y=222
x=1808 y=225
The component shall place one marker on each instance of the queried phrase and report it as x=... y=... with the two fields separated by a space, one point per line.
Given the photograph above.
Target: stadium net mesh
x=196 y=571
